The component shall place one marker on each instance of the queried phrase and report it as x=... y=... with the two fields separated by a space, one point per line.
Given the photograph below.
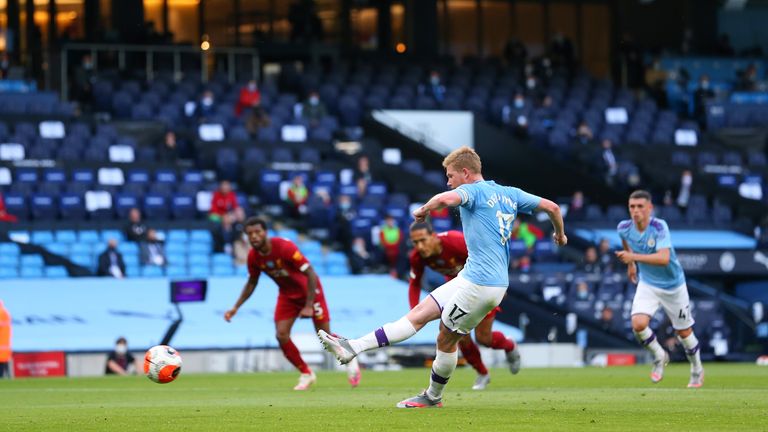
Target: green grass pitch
x=735 y=397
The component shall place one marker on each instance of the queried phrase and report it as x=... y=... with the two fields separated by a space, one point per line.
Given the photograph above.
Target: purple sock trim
x=438 y=379
x=649 y=340
x=381 y=337
x=692 y=351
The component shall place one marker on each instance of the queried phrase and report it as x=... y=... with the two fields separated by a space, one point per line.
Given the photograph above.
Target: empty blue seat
x=128 y=248
x=43 y=207
x=175 y=248
x=221 y=259
x=177 y=235
x=199 y=271
x=9 y=260
x=106 y=235
x=198 y=259
x=199 y=248
x=130 y=259
x=151 y=271
x=65 y=236
x=58 y=248
x=88 y=236
x=42 y=237
x=223 y=270
x=156 y=207
x=176 y=270
x=200 y=236
x=9 y=249
x=31 y=261
x=183 y=206
x=31 y=272
x=55 y=272
x=83 y=248
x=83 y=260
x=8 y=272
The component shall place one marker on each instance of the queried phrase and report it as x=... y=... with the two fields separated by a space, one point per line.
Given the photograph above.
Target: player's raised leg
x=646 y=337
x=291 y=352
x=391 y=333
x=496 y=340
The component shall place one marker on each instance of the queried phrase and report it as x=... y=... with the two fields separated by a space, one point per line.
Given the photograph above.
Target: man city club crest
x=651 y=242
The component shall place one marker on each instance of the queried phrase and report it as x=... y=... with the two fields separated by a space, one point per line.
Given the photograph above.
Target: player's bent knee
x=282 y=337
x=685 y=332
x=640 y=322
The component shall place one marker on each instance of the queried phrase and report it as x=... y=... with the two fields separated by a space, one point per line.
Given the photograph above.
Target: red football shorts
x=290 y=308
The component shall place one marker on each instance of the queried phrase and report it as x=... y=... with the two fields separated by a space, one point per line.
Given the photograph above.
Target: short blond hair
x=464 y=157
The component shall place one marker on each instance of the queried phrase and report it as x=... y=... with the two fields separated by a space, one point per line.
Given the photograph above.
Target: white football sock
x=648 y=340
x=388 y=334
x=442 y=369
x=691 y=345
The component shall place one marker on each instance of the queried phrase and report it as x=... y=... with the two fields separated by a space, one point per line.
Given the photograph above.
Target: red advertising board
x=39 y=364
x=619 y=359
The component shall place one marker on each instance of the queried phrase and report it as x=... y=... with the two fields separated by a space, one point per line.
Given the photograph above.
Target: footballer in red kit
x=446 y=254
x=300 y=294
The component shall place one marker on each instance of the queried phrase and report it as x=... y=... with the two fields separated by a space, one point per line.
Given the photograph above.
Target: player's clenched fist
x=229 y=314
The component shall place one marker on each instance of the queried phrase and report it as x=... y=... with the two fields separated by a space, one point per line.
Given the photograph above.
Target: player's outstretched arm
x=437 y=202
x=556 y=217
x=247 y=291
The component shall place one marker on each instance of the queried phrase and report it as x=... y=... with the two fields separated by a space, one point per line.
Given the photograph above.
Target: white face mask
x=687 y=180
x=207 y=101
x=251 y=87
x=519 y=103
x=121 y=349
x=314 y=100
x=434 y=80
x=531 y=83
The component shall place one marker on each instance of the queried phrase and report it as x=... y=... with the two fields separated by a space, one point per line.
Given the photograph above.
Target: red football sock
x=472 y=355
x=499 y=341
x=292 y=354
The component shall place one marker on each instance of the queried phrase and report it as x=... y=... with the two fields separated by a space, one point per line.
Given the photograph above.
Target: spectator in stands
x=532 y=87
x=297 y=198
x=522 y=264
x=361 y=260
x=577 y=208
x=515 y=115
x=701 y=95
x=748 y=79
x=610 y=166
x=82 y=90
x=4 y=215
x=226 y=211
x=313 y=109
x=434 y=88
x=391 y=240
x=120 y=361
x=684 y=195
x=257 y=118
x=111 y=261
x=606 y=257
x=202 y=109
x=655 y=80
x=136 y=231
x=343 y=221
x=363 y=169
x=168 y=151
x=362 y=187
x=584 y=133
x=582 y=291
x=590 y=262
x=152 y=250
x=249 y=96
x=240 y=249
x=5 y=341
x=5 y=65
x=606 y=318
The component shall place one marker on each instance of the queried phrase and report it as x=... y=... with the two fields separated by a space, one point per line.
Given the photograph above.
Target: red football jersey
x=285 y=264
x=449 y=262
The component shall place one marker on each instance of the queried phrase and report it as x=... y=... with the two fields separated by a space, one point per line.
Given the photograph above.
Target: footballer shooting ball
x=162 y=364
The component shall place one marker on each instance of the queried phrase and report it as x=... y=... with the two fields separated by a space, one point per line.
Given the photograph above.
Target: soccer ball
x=162 y=364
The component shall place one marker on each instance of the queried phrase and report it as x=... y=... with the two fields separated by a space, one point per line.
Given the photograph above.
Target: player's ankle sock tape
x=390 y=333
x=442 y=369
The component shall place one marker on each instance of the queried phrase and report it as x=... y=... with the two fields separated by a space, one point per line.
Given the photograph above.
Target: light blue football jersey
x=656 y=236
x=487 y=210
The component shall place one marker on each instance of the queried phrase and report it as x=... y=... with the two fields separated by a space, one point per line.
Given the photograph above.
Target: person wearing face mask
x=249 y=96
x=701 y=96
x=313 y=109
x=120 y=361
x=434 y=87
x=83 y=81
x=111 y=261
x=206 y=107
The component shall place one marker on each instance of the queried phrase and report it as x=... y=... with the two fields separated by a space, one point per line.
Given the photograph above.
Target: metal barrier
x=151 y=53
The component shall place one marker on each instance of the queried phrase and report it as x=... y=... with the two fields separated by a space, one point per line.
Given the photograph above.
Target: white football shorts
x=464 y=304
x=675 y=302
